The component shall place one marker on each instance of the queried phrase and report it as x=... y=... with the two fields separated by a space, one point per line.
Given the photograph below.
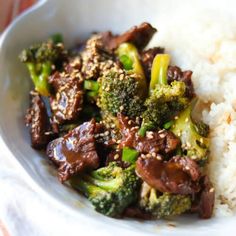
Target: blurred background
x=9 y=9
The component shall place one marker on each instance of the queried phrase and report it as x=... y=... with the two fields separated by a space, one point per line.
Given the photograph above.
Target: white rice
x=206 y=44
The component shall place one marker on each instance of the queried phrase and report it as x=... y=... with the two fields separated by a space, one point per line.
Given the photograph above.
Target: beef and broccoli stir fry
x=116 y=121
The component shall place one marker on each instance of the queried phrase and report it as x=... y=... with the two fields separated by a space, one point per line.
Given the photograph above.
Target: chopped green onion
x=159 y=70
x=129 y=155
x=57 y=38
x=92 y=94
x=126 y=62
x=91 y=85
x=142 y=131
x=144 y=128
x=168 y=124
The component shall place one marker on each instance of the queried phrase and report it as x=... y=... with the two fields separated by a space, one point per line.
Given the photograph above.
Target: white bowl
x=76 y=19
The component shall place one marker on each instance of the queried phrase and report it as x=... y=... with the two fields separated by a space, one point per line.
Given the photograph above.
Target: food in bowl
x=117 y=122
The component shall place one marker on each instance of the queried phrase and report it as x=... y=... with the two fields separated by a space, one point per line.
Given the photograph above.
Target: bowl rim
x=37 y=186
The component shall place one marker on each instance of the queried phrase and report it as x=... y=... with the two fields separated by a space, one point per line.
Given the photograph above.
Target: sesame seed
x=188 y=144
x=154 y=154
x=48 y=133
x=116 y=156
x=211 y=190
x=122 y=108
x=162 y=135
x=149 y=135
x=148 y=155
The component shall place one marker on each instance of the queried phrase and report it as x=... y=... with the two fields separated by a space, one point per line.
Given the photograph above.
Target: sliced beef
x=207 y=199
x=188 y=165
x=156 y=142
x=104 y=136
x=67 y=102
x=175 y=73
x=172 y=176
x=75 y=152
x=147 y=57
x=38 y=121
x=96 y=59
x=162 y=141
x=138 y=35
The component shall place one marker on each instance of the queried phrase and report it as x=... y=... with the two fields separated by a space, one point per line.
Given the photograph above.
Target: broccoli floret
x=193 y=135
x=110 y=189
x=120 y=93
x=202 y=128
x=164 y=205
x=165 y=102
x=40 y=59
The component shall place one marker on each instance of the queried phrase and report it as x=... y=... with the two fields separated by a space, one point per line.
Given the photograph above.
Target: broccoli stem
x=193 y=142
x=97 y=180
x=86 y=188
x=158 y=76
x=131 y=53
x=129 y=155
x=40 y=77
x=110 y=189
x=159 y=70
